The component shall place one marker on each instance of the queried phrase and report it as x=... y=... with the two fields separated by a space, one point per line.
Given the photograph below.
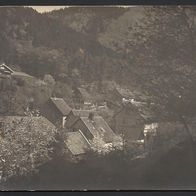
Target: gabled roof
x=142 y=109
x=86 y=96
x=124 y=92
x=77 y=114
x=61 y=105
x=76 y=143
x=133 y=92
x=127 y=106
x=83 y=113
x=99 y=128
x=4 y=67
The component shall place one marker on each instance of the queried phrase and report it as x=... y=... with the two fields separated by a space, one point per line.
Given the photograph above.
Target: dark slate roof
x=76 y=143
x=127 y=106
x=77 y=114
x=61 y=105
x=98 y=127
x=133 y=92
x=144 y=110
x=4 y=68
x=125 y=93
x=83 y=113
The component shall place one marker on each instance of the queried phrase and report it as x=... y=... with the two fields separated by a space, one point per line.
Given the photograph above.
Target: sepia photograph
x=98 y=98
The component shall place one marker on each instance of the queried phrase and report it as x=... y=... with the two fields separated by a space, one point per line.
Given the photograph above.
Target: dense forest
x=147 y=48
x=173 y=170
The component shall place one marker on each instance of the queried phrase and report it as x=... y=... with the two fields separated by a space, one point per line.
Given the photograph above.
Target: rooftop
x=83 y=113
x=76 y=143
x=61 y=105
x=146 y=111
x=124 y=92
x=99 y=128
x=4 y=69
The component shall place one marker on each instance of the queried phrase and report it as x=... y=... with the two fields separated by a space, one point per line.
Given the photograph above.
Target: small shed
x=82 y=96
x=76 y=143
x=116 y=95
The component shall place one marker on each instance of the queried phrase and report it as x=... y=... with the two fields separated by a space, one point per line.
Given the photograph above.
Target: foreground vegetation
x=172 y=170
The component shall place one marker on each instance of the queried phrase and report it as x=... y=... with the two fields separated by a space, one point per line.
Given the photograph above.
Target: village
x=121 y=120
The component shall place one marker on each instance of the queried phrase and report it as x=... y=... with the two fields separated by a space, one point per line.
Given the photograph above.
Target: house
x=76 y=143
x=124 y=93
x=149 y=111
x=118 y=95
x=165 y=134
x=105 y=112
x=82 y=97
x=74 y=115
x=93 y=129
x=56 y=110
x=115 y=97
x=129 y=122
x=7 y=71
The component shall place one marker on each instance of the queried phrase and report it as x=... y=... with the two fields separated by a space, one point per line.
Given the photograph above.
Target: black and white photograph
x=98 y=97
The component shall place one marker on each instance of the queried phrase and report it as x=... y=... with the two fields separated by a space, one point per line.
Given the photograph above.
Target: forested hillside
x=40 y=45
x=149 y=48
x=155 y=46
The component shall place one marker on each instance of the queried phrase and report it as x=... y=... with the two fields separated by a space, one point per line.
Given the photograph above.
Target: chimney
x=91 y=116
